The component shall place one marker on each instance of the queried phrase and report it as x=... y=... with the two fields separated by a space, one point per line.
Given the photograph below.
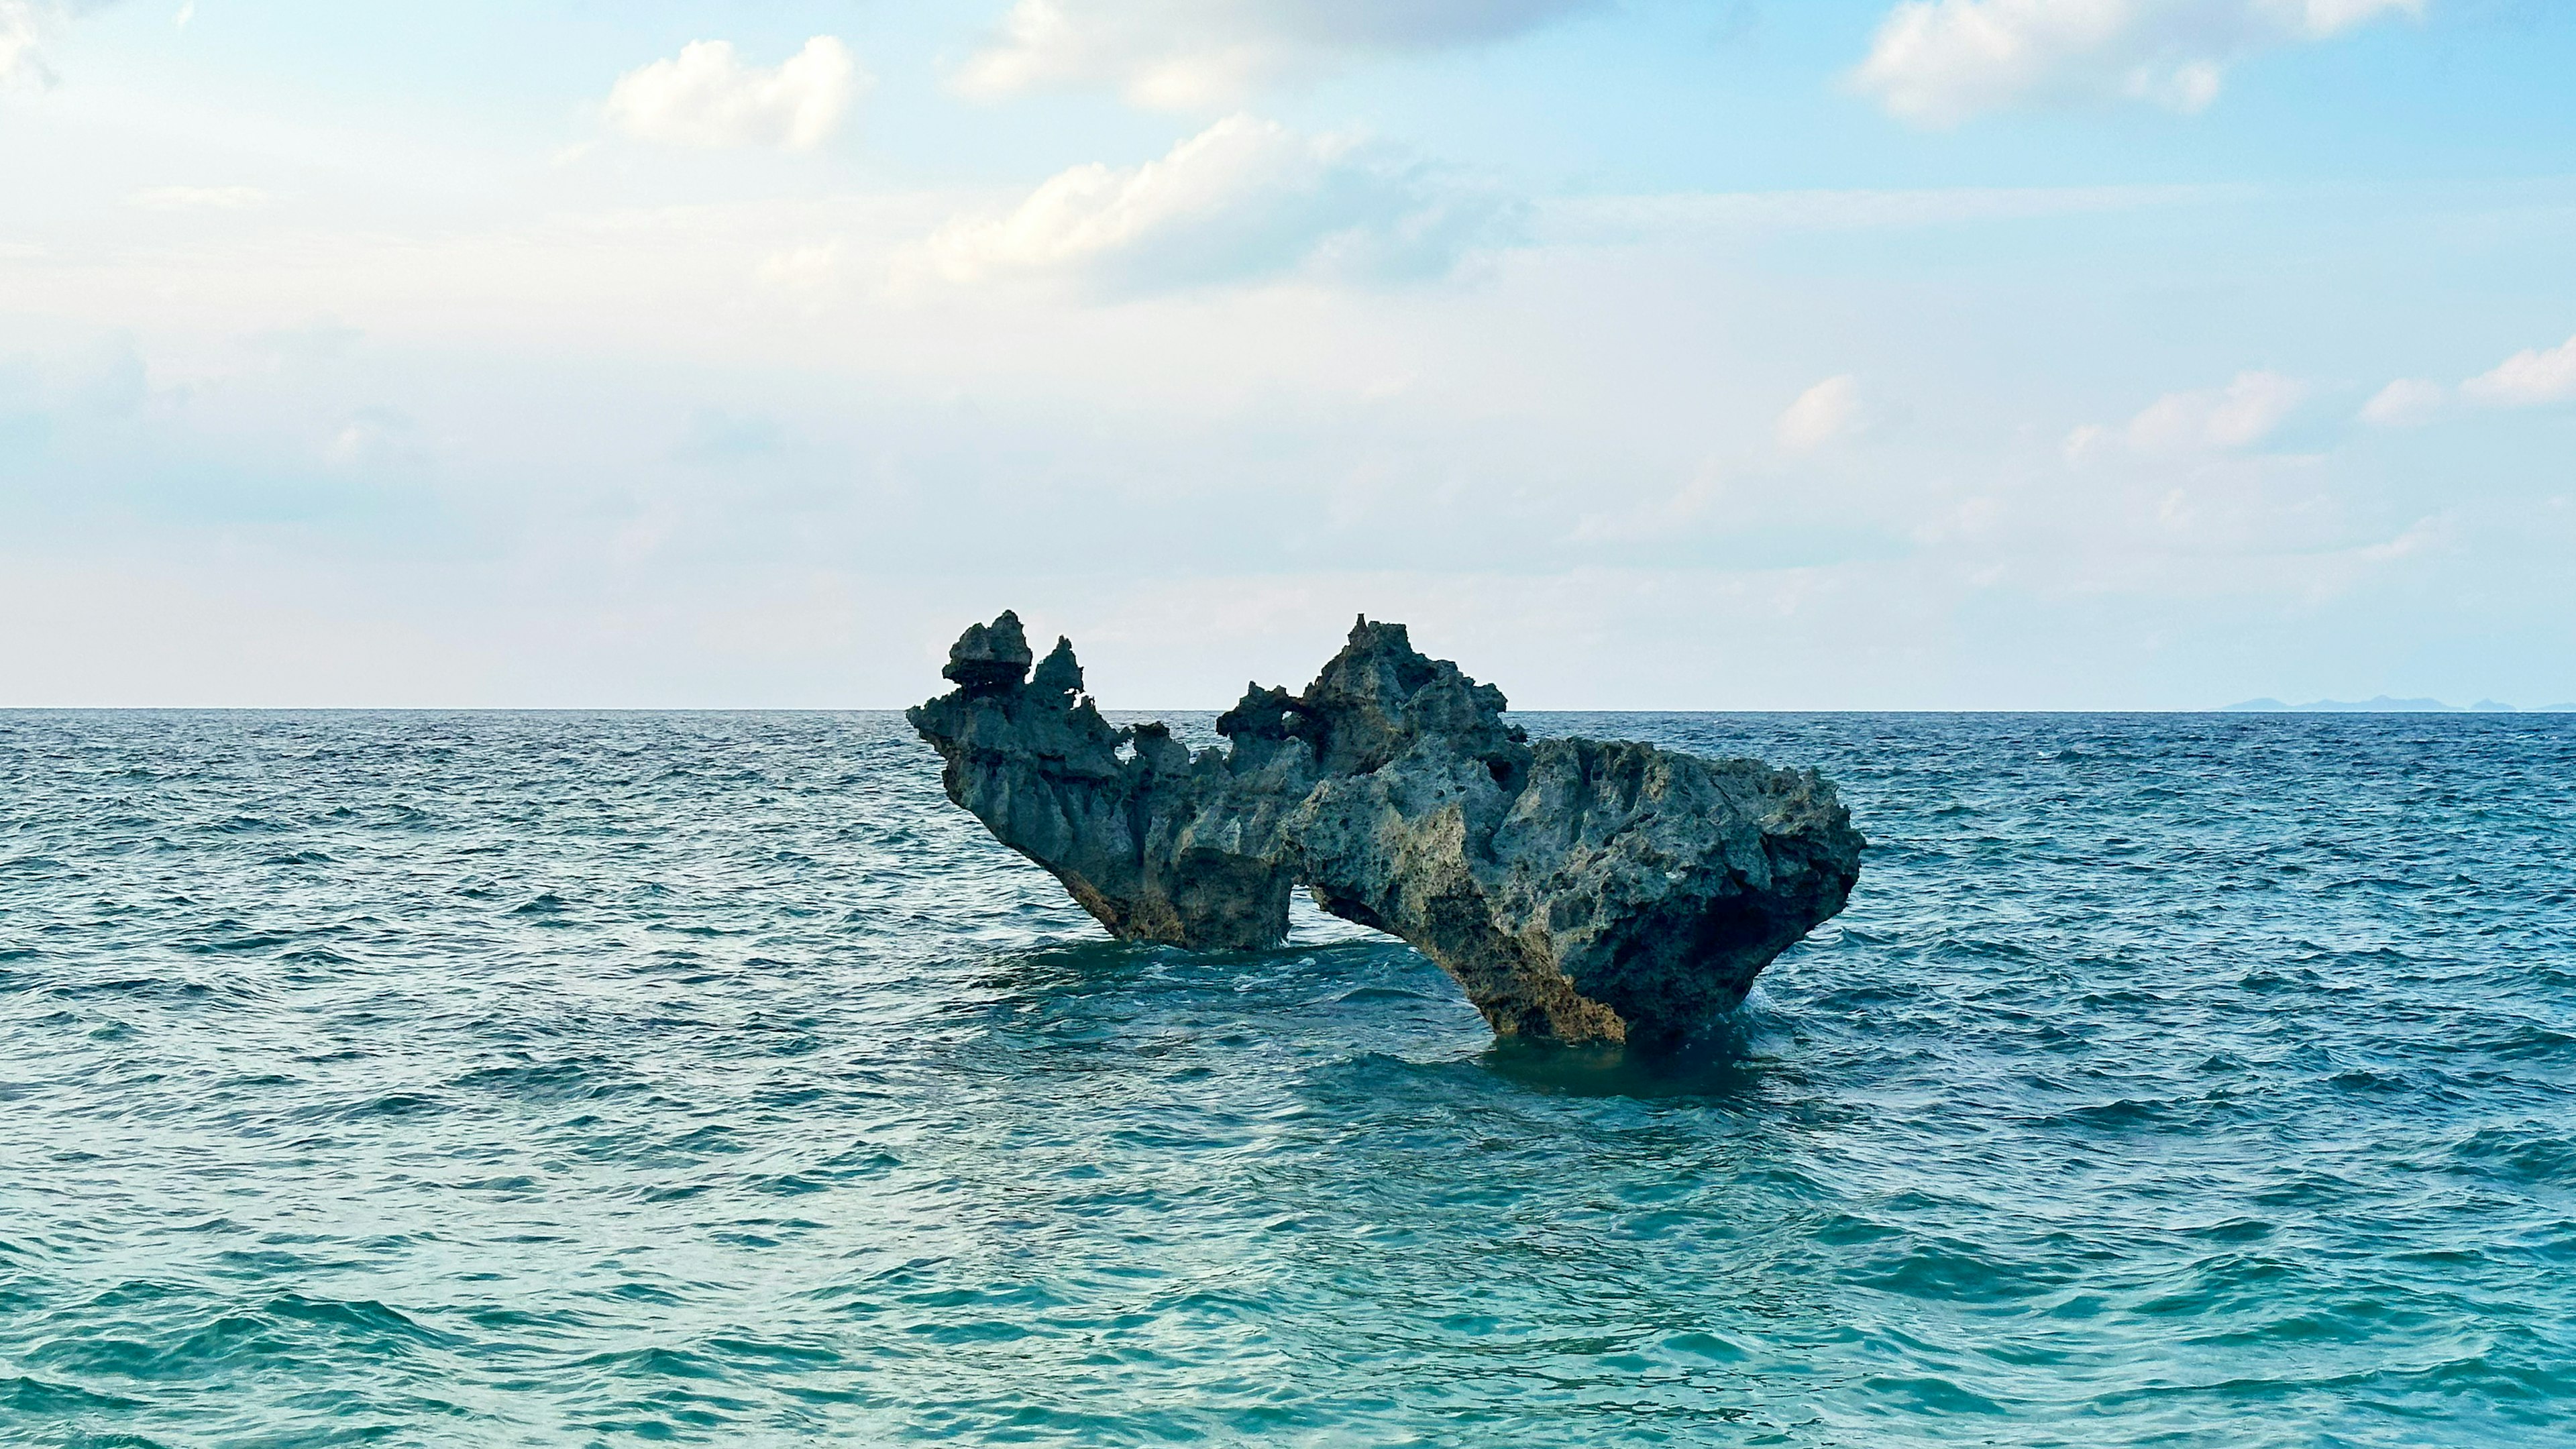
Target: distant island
x=2385 y=705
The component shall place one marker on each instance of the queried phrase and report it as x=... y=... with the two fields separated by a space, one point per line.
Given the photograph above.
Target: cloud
x=1625 y=219
x=2424 y=536
x=1659 y=517
x=376 y=439
x=1940 y=62
x=1822 y=414
x=25 y=25
x=813 y=270
x=706 y=97
x=2532 y=377
x=2239 y=415
x=198 y=198
x=2527 y=379
x=1199 y=54
x=2406 y=403
x=1245 y=198
x=19 y=36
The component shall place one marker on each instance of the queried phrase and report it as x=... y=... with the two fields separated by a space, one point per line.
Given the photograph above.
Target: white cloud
x=1196 y=54
x=198 y=198
x=1939 y=62
x=2239 y=415
x=1625 y=219
x=2406 y=403
x=2426 y=535
x=24 y=27
x=1656 y=518
x=707 y=97
x=2528 y=378
x=374 y=439
x=1244 y=198
x=1225 y=433
x=804 y=269
x=1822 y=414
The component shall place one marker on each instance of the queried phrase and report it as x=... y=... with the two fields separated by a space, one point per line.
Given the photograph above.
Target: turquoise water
x=602 y=1079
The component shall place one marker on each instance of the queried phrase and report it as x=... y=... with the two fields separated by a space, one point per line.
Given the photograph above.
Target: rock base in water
x=1581 y=890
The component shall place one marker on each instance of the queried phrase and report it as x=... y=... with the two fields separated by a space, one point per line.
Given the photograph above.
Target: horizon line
x=2331 y=708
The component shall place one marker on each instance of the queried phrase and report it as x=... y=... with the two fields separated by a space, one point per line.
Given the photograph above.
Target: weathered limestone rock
x=1155 y=845
x=1577 y=889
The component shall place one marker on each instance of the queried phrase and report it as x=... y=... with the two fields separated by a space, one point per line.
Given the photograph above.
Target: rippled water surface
x=593 y=1079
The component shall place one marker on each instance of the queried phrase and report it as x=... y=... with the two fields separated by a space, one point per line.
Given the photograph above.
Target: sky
x=1679 y=354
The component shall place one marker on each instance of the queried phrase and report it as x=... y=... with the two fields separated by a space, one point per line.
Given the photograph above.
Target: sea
x=489 y=1079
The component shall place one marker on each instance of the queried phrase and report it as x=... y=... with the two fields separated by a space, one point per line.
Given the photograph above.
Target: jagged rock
x=1156 y=846
x=1577 y=889
x=985 y=660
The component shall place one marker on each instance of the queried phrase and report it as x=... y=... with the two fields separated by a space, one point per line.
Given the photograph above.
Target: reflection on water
x=1724 y=1064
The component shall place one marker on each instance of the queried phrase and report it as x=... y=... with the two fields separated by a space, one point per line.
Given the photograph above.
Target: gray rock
x=988 y=659
x=1577 y=889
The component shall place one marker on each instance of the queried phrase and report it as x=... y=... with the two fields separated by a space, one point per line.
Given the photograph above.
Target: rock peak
x=1059 y=676
x=991 y=657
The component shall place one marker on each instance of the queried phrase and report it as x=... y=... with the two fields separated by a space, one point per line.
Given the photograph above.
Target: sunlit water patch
x=597 y=1079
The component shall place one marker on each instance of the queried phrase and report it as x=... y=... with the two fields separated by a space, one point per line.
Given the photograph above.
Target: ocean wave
x=573 y=1079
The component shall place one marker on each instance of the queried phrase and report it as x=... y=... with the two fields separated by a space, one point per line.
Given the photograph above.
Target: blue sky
x=1730 y=354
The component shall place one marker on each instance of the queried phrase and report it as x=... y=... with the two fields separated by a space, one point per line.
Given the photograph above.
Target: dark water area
x=560 y=1079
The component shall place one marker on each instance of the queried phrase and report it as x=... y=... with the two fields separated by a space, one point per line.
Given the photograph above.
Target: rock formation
x=1581 y=890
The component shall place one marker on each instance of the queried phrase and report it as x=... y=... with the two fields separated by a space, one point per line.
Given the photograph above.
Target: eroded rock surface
x=1578 y=889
